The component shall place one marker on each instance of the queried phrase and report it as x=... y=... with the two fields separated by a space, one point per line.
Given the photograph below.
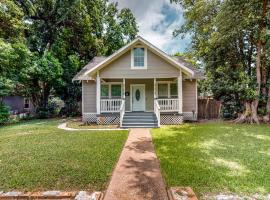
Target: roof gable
x=126 y=48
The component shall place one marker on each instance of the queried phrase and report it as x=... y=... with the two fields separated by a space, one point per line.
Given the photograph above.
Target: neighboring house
x=138 y=86
x=19 y=104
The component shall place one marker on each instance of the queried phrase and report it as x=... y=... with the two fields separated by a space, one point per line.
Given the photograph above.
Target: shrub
x=229 y=110
x=43 y=113
x=4 y=113
x=52 y=110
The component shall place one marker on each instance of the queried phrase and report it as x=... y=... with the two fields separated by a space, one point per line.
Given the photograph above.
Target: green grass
x=215 y=157
x=35 y=155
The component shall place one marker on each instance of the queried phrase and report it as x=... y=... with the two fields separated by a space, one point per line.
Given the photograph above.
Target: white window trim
x=28 y=103
x=110 y=89
x=168 y=88
x=145 y=58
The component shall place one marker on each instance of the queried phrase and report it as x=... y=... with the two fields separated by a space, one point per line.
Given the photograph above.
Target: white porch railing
x=122 y=112
x=157 y=111
x=110 y=105
x=168 y=105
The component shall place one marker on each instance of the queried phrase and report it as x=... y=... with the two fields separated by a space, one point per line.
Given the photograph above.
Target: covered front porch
x=161 y=96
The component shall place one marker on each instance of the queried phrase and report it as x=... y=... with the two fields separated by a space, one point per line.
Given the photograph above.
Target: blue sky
x=157 y=19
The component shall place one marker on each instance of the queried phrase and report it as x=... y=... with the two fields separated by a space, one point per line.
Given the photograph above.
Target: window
x=173 y=92
x=116 y=91
x=163 y=90
x=26 y=103
x=104 y=91
x=110 y=90
x=139 y=58
x=167 y=90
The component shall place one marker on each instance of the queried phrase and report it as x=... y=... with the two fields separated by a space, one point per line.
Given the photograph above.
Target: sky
x=157 y=19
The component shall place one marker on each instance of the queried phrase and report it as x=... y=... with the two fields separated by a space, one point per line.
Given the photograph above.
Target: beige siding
x=149 y=92
x=156 y=67
x=189 y=96
x=89 y=96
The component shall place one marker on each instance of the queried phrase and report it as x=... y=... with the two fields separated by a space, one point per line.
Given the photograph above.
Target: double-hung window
x=173 y=90
x=167 y=90
x=138 y=58
x=105 y=91
x=111 y=91
x=116 y=91
x=162 y=90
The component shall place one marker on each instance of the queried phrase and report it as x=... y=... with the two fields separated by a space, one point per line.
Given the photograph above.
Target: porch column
x=98 y=93
x=124 y=88
x=180 y=92
x=155 y=93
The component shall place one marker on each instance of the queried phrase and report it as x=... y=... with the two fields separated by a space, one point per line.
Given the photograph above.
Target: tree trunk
x=255 y=103
x=252 y=107
x=246 y=116
x=254 y=115
x=266 y=118
x=45 y=95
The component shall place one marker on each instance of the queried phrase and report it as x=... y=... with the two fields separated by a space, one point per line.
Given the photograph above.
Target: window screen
x=116 y=91
x=162 y=90
x=173 y=88
x=138 y=57
x=104 y=91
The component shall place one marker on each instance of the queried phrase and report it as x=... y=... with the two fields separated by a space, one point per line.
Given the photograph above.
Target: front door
x=138 y=97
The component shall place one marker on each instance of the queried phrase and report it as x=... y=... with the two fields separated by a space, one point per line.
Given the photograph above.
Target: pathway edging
x=55 y=194
x=63 y=126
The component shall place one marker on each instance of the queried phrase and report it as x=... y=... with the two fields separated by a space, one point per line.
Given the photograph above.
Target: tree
x=66 y=35
x=231 y=37
x=12 y=47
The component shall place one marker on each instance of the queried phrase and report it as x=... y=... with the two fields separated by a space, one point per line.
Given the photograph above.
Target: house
x=19 y=104
x=138 y=86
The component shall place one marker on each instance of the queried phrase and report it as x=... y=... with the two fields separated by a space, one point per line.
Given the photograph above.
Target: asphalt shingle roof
x=80 y=75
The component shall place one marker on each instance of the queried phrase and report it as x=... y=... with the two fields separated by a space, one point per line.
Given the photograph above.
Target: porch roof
x=81 y=74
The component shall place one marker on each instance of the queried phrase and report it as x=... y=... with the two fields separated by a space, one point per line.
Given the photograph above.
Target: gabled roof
x=99 y=62
x=96 y=60
x=198 y=74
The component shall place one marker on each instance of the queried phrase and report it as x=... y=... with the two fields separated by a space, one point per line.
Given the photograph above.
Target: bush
x=230 y=109
x=43 y=113
x=71 y=108
x=52 y=110
x=4 y=113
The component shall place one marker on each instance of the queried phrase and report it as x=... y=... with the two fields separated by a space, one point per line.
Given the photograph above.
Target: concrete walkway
x=137 y=175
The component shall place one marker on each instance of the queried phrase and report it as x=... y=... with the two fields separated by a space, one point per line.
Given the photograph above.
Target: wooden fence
x=208 y=108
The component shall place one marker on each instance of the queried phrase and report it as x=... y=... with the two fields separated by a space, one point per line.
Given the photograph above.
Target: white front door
x=138 y=97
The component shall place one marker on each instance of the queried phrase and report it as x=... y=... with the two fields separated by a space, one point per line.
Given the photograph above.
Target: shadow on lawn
x=215 y=157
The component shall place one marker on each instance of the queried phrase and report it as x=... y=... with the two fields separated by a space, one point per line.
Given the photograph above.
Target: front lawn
x=215 y=157
x=35 y=155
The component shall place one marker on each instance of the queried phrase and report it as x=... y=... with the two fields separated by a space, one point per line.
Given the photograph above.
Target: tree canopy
x=231 y=38
x=44 y=43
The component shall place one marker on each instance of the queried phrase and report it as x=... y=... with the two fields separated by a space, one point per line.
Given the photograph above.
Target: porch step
x=139 y=120
x=139 y=114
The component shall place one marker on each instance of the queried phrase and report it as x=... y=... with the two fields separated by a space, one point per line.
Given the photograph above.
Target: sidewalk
x=137 y=175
